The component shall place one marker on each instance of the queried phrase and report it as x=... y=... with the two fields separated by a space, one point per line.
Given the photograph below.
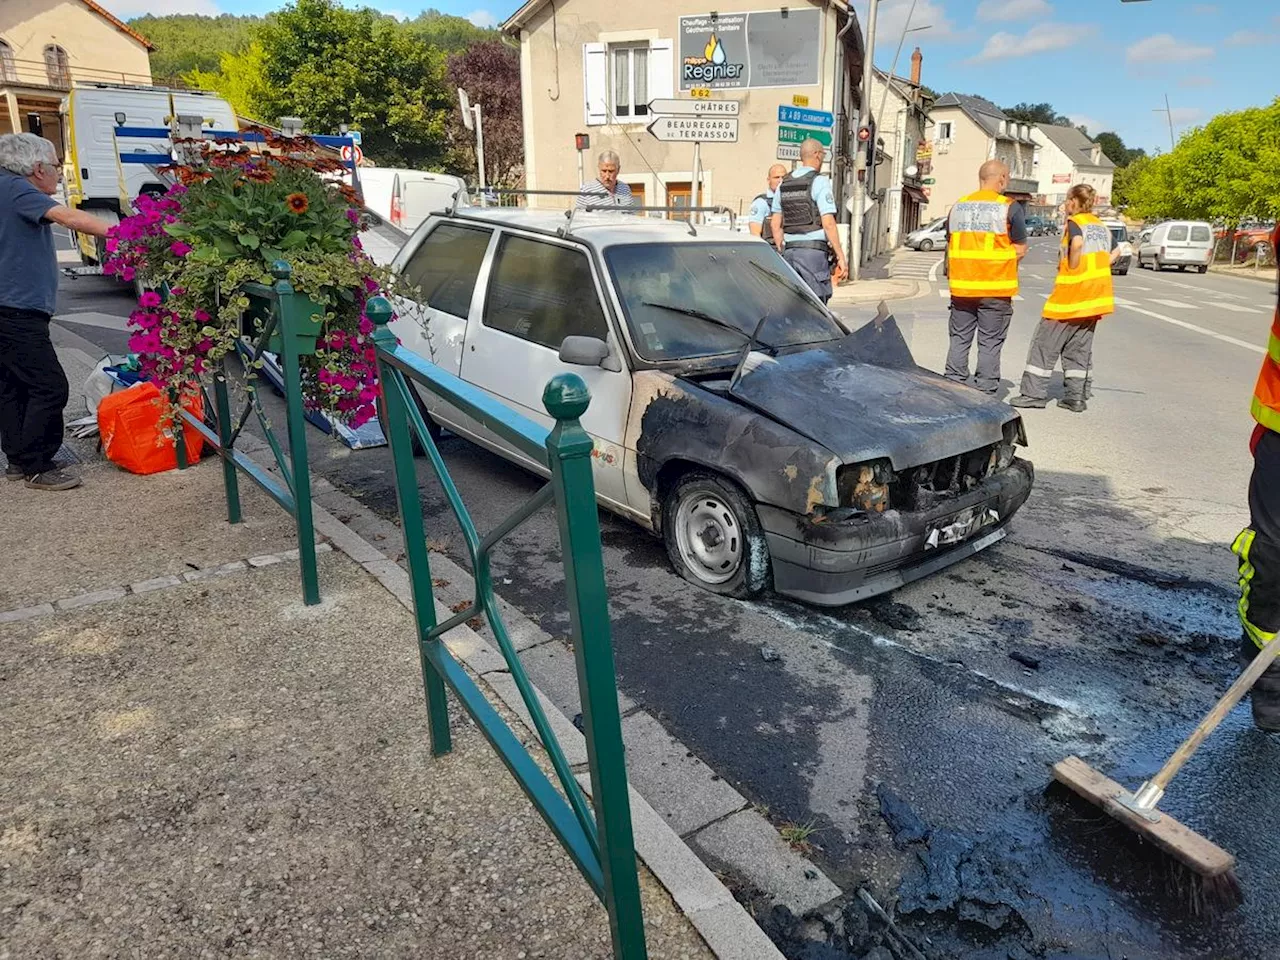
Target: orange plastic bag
x=129 y=422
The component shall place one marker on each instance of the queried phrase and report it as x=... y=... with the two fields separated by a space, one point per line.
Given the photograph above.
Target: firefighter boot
x=1265 y=695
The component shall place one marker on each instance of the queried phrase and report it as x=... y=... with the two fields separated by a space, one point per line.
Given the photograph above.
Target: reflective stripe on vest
x=1085 y=291
x=981 y=259
x=1266 y=395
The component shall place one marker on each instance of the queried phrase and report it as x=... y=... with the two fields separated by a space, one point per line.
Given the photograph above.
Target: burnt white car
x=733 y=415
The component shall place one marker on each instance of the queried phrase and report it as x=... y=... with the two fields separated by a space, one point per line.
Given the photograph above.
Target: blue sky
x=1104 y=63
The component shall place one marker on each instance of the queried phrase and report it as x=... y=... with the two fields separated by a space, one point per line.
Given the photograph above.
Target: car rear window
x=543 y=292
x=1178 y=233
x=1200 y=234
x=446 y=265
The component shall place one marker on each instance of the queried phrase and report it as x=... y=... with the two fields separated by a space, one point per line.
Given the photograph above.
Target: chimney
x=1095 y=155
x=916 y=59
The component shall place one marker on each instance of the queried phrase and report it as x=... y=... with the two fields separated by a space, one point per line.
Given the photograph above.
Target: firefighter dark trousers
x=1258 y=548
x=1070 y=340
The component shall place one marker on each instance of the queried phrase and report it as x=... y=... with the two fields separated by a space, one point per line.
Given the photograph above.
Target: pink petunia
x=149 y=299
x=179 y=249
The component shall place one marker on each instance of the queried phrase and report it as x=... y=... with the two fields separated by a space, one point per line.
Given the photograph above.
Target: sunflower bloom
x=297 y=203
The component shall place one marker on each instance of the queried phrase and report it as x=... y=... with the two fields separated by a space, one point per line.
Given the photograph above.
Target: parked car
x=930 y=237
x=404 y=198
x=733 y=415
x=1120 y=238
x=1178 y=243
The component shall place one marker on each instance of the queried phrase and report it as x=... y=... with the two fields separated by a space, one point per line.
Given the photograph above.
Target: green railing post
x=179 y=440
x=294 y=311
x=395 y=425
x=569 y=449
x=222 y=408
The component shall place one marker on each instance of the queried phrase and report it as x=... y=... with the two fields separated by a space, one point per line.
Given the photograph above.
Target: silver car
x=931 y=237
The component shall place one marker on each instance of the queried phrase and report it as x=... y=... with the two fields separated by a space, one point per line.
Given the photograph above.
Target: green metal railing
x=290 y=324
x=601 y=845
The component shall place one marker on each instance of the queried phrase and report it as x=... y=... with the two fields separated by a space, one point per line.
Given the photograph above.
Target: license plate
x=958 y=527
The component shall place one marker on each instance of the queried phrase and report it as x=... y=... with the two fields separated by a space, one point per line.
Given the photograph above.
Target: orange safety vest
x=1085 y=292
x=1266 y=395
x=981 y=261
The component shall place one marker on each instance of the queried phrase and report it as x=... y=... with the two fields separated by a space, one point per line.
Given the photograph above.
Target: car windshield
x=688 y=300
x=1118 y=235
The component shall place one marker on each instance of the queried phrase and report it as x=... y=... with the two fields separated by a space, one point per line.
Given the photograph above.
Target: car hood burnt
x=864 y=401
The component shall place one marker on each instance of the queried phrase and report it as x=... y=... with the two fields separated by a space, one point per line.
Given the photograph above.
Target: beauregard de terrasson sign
x=694 y=121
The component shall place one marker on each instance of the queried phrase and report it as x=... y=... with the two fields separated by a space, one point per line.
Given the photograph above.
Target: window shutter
x=661 y=69
x=595 y=82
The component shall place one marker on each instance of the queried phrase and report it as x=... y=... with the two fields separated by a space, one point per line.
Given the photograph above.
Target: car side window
x=445 y=267
x=543 y=292
x=1200 y=234
x=1178 y=233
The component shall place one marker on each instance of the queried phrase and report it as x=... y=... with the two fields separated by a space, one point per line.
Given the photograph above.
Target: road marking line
x=1044 y=296
x=1208 y=333
x=1176 y=304
x=1233 y=307
x=1134 y=287
x=1126 y=303
x=933 y=271
x=945 y=293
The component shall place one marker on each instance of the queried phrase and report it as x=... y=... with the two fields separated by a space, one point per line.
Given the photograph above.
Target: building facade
x=593 y=66
x=968 y=131
x=903 y=160
x=1065 y=157
x=47 y=45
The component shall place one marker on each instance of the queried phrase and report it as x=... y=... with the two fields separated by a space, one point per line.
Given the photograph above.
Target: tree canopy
x=186 y=42
x=1036 y=113
x=1227 y=170
x=490 y=73
x=1113 y=146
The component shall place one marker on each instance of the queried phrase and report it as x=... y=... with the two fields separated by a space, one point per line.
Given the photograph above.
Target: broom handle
x=1224 y=706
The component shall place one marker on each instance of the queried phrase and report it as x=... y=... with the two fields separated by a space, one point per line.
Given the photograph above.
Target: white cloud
x=1197 y=80
x=1040 y=38
x=124 y=9
x=1084 y=120
x=482 y=18
x=891 y=17
x=1183 y=115
x=997 y=10
x=1163 y=48
x=1250 y=38
x=1204 y=9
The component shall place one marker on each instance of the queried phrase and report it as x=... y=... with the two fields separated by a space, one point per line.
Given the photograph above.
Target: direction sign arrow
x=703 y=108
x=804 y=117
x=798 y=134
x=695 y=129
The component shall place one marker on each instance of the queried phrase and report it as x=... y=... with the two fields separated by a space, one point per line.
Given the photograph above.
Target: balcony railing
x=61 y=76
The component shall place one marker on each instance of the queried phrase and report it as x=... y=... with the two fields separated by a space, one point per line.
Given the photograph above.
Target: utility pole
x=854 y=252
x=471 y=119
x=1168 y=114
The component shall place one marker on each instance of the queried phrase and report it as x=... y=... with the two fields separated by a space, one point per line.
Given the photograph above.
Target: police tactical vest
x=766 y=228
x=800 y=212
x=1086 y=291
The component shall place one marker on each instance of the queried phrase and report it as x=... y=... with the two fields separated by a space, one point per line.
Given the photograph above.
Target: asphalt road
x=1116 y=580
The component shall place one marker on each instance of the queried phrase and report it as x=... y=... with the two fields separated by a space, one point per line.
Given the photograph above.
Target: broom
x=1139 y=811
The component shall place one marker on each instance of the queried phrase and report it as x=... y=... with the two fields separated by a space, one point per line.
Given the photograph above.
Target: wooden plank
x=1201 y=855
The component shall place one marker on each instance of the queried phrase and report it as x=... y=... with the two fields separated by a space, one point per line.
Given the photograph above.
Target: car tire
x=1123 y=273
x=700 y=506
x=1204 y=269
x=1182 y=268
x=926 y=245
x=1159 y=265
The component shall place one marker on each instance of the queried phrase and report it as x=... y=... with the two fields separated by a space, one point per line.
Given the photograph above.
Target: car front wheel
x=713 y=536
x=926 y=245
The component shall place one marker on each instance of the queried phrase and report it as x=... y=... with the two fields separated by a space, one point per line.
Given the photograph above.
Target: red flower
x=297 y=203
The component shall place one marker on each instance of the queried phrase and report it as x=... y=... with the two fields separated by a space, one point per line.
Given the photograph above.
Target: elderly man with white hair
x=33 y=388
x=606 y=190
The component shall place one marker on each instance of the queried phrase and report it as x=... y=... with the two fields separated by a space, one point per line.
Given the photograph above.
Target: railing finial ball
x=378 y=309
x=281 y=270
x=566 y=396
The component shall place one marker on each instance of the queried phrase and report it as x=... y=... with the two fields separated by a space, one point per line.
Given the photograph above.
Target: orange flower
x=297 y=203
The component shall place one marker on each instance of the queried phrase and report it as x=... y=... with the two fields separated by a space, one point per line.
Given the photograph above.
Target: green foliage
x=187 y=42
x=1112 y=145
x=241 y=79
x=1036 y=113
x=447 y=33
x=1227 y=170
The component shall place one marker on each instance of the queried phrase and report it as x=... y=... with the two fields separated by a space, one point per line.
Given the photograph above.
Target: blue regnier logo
x=712 y=65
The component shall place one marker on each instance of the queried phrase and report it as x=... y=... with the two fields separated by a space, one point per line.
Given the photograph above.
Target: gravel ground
x=216 y=770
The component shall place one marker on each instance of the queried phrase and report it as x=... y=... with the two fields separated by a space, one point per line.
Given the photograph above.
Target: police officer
x=1082 y=295
x=986 y=237
x=1258 y=547
x=804 y=222
x=760 y=219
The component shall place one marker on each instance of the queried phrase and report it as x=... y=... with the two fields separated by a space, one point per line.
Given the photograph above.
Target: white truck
x=95 y=178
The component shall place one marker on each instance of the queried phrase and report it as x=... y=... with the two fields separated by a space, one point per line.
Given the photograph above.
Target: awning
x=915 y=193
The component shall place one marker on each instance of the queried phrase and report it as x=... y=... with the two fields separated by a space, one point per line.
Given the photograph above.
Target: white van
x=95 y=179
x=404 y=198
x=1178 y=243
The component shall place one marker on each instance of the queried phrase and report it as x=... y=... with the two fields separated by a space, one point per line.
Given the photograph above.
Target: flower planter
x=304 y=328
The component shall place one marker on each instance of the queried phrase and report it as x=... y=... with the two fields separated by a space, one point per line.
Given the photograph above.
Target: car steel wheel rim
x=709 y=537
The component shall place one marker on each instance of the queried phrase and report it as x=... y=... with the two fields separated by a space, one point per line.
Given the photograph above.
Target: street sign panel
x=696 y=129
x=788 y=151
x=701 y=108
x=806 y=118
x=797 y=134
x=355 y=136
x=799 y=100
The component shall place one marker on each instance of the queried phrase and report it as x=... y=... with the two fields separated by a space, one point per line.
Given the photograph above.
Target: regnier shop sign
x=764 y=48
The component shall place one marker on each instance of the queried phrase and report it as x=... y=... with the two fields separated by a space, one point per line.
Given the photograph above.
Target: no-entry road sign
x=696 y=129
x=701 y=108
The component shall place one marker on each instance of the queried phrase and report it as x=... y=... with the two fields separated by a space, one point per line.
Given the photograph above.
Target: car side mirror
x=584 y=351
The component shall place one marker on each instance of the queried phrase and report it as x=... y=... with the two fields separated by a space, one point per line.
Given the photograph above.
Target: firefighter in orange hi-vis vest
x=1258 y=546
x=1082 y=296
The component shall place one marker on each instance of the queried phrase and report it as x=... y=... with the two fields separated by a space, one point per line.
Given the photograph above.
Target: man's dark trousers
x=1258 y=548
x=33 y=391
x=989 y=318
